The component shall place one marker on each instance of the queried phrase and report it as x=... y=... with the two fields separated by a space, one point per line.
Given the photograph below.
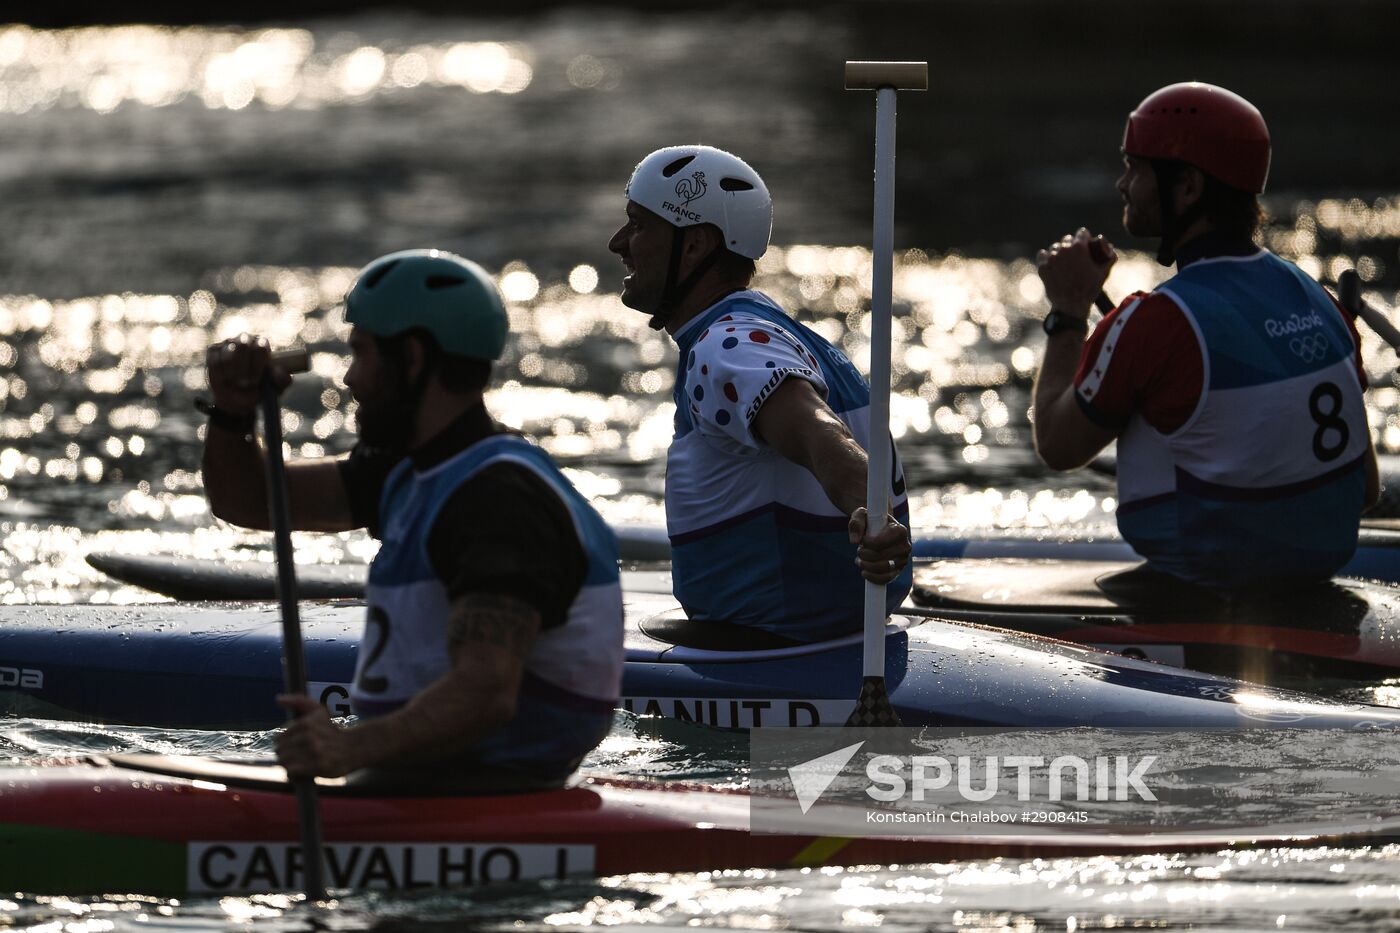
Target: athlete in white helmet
x=475 y=670
x=766 y=474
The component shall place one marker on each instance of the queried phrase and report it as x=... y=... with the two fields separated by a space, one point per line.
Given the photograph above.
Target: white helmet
x=689 y=185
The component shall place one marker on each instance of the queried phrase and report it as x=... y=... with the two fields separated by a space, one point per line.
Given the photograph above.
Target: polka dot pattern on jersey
x=739 y=337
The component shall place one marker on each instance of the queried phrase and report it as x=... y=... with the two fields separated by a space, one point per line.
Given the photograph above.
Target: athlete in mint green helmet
x=492 y=650
x=450 y=297
x=453 y=312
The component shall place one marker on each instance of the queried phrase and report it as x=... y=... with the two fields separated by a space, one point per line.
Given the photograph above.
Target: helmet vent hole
x=735 y=184
x=377 y=275
x=677 y=165
x=444 y=281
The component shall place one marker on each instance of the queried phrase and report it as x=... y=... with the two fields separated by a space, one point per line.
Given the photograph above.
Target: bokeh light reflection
x=103 y=68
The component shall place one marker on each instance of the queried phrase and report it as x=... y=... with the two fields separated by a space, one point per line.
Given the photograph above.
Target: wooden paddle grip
x=902 y=76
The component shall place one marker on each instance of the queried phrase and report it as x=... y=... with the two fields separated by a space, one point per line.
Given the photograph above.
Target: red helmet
x=1216 y=130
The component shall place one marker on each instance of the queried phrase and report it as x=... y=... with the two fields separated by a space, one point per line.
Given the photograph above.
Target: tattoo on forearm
x=492 y=619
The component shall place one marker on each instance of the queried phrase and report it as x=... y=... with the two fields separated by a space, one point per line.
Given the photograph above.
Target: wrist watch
x=1057 y=321
x=239 y=423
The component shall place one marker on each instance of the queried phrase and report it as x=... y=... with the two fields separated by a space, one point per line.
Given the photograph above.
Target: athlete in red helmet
x=1234 y=389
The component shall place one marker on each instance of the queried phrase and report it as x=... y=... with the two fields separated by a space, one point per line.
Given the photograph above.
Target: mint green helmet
x=450 y=297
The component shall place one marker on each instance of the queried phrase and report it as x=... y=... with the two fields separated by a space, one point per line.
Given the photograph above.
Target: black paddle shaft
x=293 y=655
x=1099 y=252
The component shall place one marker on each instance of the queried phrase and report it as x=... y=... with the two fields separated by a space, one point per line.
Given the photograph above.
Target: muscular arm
x=796 y=423
x=1073 y=271
x=233 y=466
x=489 y=638
x=1065 y=438
x=235 y=482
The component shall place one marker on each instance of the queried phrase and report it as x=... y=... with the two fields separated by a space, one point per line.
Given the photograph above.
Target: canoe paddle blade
x=873 y=708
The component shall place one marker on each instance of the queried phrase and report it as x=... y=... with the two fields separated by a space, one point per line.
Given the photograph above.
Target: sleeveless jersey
x=1265 y=481
x=573 y=674
x=754 y=539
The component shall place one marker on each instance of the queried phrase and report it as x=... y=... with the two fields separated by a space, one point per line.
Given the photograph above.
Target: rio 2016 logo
x=690 y=188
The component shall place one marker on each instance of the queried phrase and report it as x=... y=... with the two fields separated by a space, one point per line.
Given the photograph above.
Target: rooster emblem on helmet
x=690 y=188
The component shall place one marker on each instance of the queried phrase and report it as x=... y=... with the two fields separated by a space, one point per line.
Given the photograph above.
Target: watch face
x=1057 y=321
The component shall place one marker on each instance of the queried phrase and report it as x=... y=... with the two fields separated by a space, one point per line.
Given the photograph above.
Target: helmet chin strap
x=674 y=293
x=1173 y=224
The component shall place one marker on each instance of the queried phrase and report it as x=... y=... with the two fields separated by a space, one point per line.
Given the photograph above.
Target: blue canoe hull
x=219 y=666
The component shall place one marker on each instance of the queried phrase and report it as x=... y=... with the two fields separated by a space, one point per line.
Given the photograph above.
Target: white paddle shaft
x=877 y=482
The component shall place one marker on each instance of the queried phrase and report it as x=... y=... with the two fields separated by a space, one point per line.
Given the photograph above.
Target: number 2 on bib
x=377 y=622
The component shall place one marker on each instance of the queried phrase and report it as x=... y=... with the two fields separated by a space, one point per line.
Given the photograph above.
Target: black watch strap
x=221 y=418
x=1057 y=321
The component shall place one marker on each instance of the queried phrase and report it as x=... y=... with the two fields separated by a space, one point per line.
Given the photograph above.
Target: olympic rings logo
x=1309 y=348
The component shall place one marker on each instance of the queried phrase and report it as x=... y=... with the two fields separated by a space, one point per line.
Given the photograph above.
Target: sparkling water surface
x=165 y=188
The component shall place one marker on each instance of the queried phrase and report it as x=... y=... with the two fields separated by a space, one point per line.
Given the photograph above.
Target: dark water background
x=163 y=187
x=1016 y=141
